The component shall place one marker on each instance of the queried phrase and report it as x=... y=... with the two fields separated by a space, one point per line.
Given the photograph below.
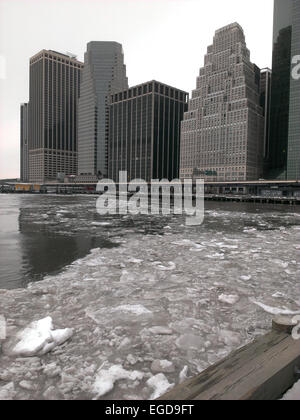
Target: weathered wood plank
x=262 y=370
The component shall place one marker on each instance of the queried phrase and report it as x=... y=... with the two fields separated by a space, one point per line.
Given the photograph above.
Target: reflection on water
x=41 y=235
x=34 y=243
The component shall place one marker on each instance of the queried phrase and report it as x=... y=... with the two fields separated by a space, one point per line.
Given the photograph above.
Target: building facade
x=104 y=73
x=24 y=153
x=145 y=132
x=54 y=91
x=284 y=151
x=265 y=103
x=222 y=132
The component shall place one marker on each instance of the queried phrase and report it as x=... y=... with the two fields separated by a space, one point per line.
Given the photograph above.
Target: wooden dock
x=263 y=370
x=291 y=201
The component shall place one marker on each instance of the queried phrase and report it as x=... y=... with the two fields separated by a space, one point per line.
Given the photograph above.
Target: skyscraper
x=284 y=151
x=104 y=73
x=54 y=92
x=24 y=170
x=265 y=103
x=222 y=132
x=145 y=132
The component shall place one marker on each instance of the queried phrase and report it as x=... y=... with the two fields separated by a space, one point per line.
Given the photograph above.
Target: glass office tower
x=104 y=74
x=144 y=135
x=284 y=151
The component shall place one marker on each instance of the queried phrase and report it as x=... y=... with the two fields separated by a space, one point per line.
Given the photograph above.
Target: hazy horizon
x=164 y=40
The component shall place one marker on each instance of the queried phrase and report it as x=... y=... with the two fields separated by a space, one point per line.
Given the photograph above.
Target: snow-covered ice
x=293 y=394
x=275 y=311
x=39 y=338
x=162 y=366
x=106 y=379
x=160 y=385
x=230 y=299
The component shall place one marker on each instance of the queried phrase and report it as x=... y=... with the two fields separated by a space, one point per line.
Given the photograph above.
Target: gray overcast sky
x=162 y=39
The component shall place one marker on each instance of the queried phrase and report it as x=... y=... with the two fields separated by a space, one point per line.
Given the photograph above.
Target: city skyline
x=153 y=49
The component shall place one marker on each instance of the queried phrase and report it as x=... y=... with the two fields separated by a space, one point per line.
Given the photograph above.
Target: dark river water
x=40 y=235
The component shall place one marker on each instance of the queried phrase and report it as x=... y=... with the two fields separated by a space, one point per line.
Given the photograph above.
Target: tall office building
x=145 y=132
x=265 y=103
x=104 y=73
x=24 y=156
x=222 y=132
x=54 y=92
x=284 y=152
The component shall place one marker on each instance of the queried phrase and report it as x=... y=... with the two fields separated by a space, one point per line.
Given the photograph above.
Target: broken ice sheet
x=106 y=379
x=39 y=338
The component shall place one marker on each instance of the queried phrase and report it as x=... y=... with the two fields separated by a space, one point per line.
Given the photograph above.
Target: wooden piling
x=263 y=370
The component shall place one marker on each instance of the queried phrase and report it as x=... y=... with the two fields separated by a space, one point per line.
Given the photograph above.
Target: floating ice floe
x=189 y=342
x=162 y=366
x=183 y=374
x=171 y=266
x=230 y=338
x=39 y=338
x=246 y=278
x=274 y=311
x=229 y=299
x=106 y=379
x=7 y=392
x=293 y=394
x=101 y=224
x=160 y=384
x=134 y=309
x=249 y=230
x=161 y=331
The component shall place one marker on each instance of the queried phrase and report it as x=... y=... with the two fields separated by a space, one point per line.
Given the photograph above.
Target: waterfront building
x=104 y=73
x=145 y=131
x=222 y=132
x=54 y=92
x=24 y=155
x=284 y=150
x=265 y=103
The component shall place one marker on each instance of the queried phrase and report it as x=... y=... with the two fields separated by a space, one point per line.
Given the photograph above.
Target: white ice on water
x=293 y=394
x=40 y=338
x=230 y=299
x=275 y=311
x=152 y=311
x=160 y=385
x=106 y=379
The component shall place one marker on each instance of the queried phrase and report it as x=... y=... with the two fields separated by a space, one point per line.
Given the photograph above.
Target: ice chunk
x=7 y=392
x=293 y=394
x=183 y=375
x=39 y=338
x=135 y=309
x=229 y=299
x=101 y=224
x=274 y=311
x=160 y=384
x=171 y=266
x=106 y=379
x=246 y=278
x=189 y=341
x=27 y=385
x=160 y=330
x=162 y=366
x=34 y=338
x=230 y=338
